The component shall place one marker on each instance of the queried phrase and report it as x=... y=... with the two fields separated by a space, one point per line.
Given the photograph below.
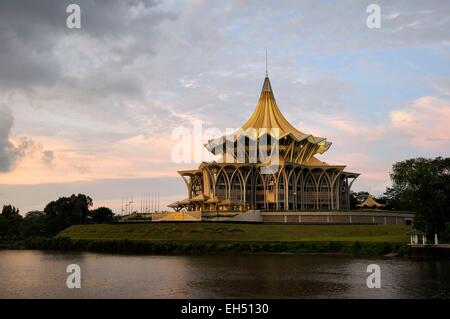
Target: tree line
x=422 y=186
x=57 y=215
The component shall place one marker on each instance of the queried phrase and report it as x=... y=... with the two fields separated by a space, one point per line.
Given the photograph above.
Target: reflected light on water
x=36 y=274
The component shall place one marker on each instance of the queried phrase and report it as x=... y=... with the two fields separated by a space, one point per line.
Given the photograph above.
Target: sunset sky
x=92 y=110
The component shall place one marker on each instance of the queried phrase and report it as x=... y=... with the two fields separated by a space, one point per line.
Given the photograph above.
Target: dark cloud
x=30 y=32
x=27 y=33
x=47 y=158
x=10 y=153
x=90 y=74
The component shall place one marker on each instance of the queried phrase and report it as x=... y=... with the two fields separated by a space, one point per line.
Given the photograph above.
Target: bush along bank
x=204 y=247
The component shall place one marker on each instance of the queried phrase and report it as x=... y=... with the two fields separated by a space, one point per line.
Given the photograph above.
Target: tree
x=9 y=211
x=3 y=227
x=9 y=222
x=102 y=215
x=357 y=197
x=446 y=234
x=390 y=200
x=33 y=224
x=423 y=186
x=57 y=215
x=67 y=211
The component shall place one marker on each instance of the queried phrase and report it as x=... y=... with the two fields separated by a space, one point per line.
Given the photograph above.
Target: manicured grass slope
x=240 y=232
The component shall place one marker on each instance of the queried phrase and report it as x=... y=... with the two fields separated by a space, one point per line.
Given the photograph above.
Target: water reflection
x=31 y=274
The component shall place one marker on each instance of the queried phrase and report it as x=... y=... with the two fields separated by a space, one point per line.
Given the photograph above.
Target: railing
x=381 y=211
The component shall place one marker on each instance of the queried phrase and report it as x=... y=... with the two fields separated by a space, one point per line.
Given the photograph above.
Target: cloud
x=442 y=85
x=33 y=34
x=10 y=153
x=424 y=122
x=47 y=158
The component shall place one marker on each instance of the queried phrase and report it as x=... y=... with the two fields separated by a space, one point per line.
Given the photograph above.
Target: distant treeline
x=57 y=215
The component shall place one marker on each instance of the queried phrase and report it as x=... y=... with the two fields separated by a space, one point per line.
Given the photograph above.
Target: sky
x=93 y=110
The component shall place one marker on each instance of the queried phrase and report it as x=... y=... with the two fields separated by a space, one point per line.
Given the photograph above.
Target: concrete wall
x=338 y=217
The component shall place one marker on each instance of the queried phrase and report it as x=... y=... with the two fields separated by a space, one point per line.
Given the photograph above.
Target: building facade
x=267 y=165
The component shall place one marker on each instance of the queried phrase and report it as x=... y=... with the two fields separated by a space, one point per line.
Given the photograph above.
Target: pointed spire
x=267 y=72
x=266 y=85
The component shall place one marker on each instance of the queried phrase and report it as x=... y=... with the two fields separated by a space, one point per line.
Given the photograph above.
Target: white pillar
x=424 y=240
x=436 y=242
x=412 y=241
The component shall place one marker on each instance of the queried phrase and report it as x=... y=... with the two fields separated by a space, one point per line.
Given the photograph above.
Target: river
x=39 y=274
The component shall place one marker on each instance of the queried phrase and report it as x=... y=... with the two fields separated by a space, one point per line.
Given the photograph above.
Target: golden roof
x=228 y=202
x=184 y=201
x=268 y=119
x=199 y=198
x=370 y=202
x=267 y=115
x=313 y=161
x=179 y=203
x=214 y=200
x=174 y=204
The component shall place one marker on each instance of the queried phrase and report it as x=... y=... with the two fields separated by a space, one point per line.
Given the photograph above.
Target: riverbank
x=212 y=247
x=219 y=238
x=240 y=232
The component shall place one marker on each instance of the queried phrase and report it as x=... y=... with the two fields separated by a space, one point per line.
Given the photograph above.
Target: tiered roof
x=268 y=119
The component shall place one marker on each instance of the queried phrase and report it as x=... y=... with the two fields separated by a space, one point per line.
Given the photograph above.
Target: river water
x=38 y=274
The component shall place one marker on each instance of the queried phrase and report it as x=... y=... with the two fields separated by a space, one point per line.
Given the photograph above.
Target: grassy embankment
x=171 y=238
x=239 y=232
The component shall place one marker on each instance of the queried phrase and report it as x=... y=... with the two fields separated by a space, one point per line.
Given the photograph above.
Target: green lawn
x=240 y=232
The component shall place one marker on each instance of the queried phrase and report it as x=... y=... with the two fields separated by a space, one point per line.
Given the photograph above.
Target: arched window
x=270 y=192
x=344 y=194
x=291 y=190
x=324 y=193
x=197 y=185
x=236 y=190
x=221 y=187
x=259 y=192
x=249 y=189
x=300 y=181
x=281 y=190
x=310 y=193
